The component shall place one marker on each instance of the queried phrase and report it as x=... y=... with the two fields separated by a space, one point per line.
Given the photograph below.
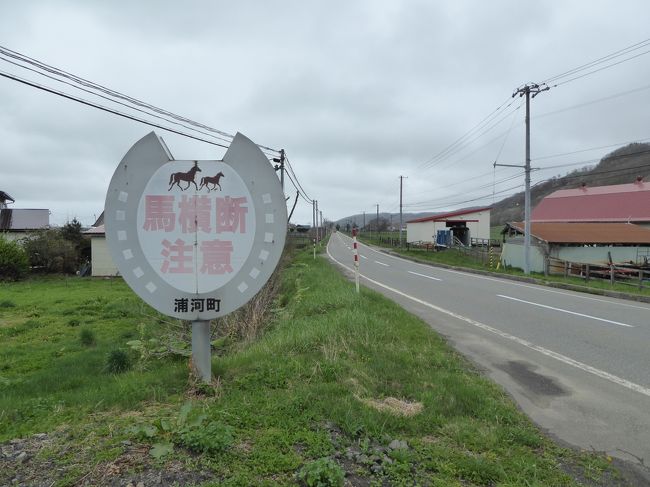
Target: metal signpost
x=355 y=249
x=195 y=239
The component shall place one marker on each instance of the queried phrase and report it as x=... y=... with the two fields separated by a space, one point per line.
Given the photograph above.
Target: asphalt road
x=577 y=364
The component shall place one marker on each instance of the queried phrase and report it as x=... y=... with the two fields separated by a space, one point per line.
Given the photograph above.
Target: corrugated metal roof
x=451 y=214
x=24 y=219
x=5 y=197
x=98 y=230
x=587 y=233
x=617 y=203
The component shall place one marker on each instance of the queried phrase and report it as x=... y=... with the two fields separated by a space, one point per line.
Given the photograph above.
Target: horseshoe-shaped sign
x=195 y=239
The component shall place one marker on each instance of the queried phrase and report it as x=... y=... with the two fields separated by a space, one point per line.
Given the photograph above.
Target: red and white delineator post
x=356 y=257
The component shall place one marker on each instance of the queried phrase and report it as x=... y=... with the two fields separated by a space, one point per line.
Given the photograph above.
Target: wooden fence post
x=640 y=279
x=587 y=273
x=611 y=274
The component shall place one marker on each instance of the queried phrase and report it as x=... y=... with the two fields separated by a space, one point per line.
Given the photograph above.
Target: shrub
x=87 y=337
x=323 y=472
x=212 y=437
x=49 y=251
x=14 y=263
x=118 y=361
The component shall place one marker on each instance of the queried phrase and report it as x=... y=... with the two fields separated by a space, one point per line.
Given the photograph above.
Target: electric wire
x=113 y=93
x=128 y=102
x=116 y=102
x=469 y=133
x=601 y=60
x=106 y=109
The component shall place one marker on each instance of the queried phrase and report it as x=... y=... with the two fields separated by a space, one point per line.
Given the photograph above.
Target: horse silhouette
x=188 y=177
x=214 y=180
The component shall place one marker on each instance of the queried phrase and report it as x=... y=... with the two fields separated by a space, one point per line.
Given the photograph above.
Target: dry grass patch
x=395 y=406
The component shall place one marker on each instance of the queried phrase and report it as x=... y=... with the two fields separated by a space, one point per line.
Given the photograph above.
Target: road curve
x=577 y=364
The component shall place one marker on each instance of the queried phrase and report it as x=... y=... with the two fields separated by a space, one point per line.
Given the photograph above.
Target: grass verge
x=339 y=388
x=452 y=257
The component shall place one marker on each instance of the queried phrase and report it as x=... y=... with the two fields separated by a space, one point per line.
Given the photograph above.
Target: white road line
x=363 y=257
x=566 y=311
x=381 y=263
x=422 y=275
x=575 y=294
x=549 y=353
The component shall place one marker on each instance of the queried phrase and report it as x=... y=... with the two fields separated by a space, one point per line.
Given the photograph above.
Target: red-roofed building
x=464 y=225
x=629 y=203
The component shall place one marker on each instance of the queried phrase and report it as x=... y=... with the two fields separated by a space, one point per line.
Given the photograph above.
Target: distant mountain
x=618 y=167
x=391 y=218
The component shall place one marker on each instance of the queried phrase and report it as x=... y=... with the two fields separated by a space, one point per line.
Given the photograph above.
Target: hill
x=620 y=166
x=391 y=218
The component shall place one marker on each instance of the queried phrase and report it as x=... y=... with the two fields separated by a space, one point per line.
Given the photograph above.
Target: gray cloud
x=358 y=93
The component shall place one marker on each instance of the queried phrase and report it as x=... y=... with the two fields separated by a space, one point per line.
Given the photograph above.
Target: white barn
x=464 y=225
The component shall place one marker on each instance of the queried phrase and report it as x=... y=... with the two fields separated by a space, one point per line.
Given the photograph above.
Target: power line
x=131 y=103
x=461 y=140
x=110 y=92
x=106 y=109
x=601 y=60
x=115 y=101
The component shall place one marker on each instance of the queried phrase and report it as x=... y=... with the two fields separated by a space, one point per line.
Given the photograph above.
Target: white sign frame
x=121 y=223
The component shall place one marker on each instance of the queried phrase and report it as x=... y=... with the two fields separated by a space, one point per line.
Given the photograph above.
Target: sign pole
x=201 y=355
x=356 y=258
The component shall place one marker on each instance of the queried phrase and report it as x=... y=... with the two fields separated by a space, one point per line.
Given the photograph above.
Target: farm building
x=462 y=226
x=585 y=225
x=588 y=243
x=628 y=203
x=17 y=223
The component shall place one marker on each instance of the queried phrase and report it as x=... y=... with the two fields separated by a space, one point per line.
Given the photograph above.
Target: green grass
x=314 y=386
x=48 y=377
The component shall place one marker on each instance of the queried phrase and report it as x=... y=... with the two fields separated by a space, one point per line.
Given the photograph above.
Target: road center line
x=381 y=263
x=566 y=311
x=544 y=351
x=422 y=275
x=575 y=294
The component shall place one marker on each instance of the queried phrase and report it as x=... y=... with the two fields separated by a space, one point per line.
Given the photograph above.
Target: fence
x=615 y=274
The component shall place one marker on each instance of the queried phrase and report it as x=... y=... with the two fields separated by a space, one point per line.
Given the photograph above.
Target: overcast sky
x=356 y=92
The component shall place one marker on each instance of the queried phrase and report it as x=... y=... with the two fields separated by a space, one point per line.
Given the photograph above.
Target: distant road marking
x=549 y=353
x=574 y=294
x=422 y=275
x=566 y=311
x=364 y=257
x=381 y=263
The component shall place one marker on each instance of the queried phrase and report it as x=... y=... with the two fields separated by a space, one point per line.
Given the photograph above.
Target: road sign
x=195 y=239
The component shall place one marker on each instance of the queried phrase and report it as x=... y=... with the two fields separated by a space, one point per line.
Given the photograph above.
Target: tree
x=72 y=232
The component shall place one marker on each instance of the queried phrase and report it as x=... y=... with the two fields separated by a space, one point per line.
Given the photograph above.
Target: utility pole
x=401 y=179
x=533 y=89
x=321 y=223
x=377 y=222
x=317 y=228
x=313 y=224
x=280 y=160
